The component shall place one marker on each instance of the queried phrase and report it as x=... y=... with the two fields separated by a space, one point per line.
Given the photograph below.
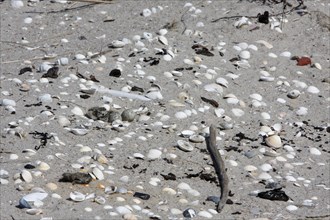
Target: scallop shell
x=274 y=141
x=185 y=146
x=26 y=176
x=244 y=55
x=163 y=40
x=77 y=196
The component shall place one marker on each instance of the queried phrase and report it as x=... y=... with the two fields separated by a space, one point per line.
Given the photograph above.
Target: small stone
x=154 y=154
x=189 y=213
x=205 y=214
x=291 y=207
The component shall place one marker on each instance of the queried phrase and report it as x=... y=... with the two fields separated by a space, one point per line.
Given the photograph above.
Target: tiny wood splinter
x=219 y=167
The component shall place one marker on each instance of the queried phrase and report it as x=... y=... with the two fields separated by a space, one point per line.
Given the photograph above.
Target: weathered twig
x=219 y=167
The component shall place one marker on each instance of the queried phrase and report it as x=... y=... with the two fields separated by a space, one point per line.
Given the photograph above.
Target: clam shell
x=77 y=196
x=98 y=173
x=317 y=66
x=293 y=94
x=100 y=200
x=77 y=111
x=43 y=166
x=34 y=211
x=26 y=176
x=117 y=44
x=196 y=138
x=187 y=133
x=244 y=55
x=63 y=61
x=79 y=57
x=222 y=81
x=213 y=87
x=79 y=131
x=185 y=146
x=63 y=121
x=163 y=40
x=154 y=154
x=274 y=141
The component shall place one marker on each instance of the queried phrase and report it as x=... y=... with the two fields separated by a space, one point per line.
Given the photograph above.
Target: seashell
x=292 y=208
x=244 y=55
x=7 y=102
x=44 y=67
x=102 y=59
x=187 y=133
x=313 y=89
x=256 y=96
x=117 y=44
x=146 y=12
x=122 y=210
x=317 y=66
x=274 y=141
x=26 y=176
x=33 y=211
x=43 y=166
x=242 y=63
x=266 y=78
x=302 y=111
x=253 y=47
x=181 y=115
x=16 y=4
x=226 y=126
x=147 y=35
x=241 y=22
x=154 y=154
x=163 y=40
x=102 y=159
x=272 y=55
x=77 y=111
x=63 y=61
x=162 y=32
x=315 y=151
x=77 y=196
x=265 y=43
x=154 y=94
x=293 y=94
x=27 y=200
x=167 y=57
x=237 y=112
x=196 y=138
x=205 y=214
x=185 y=146
x=286 y=54
x=45 y=98
x=100 y=200
x=79 y=57
x=81 y=130
x=266 y=167
x=213 y=88
x=51 y=186
x=222 y=81
x=98 y=173
x=265 y=115
x=188 y=62
x=63 y=121
x=264 y=176
x=128 y=115
x=189 y=213
x=24 y=87
x=250 y=168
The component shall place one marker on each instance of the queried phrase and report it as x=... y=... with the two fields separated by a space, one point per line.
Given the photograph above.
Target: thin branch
x=219 y=167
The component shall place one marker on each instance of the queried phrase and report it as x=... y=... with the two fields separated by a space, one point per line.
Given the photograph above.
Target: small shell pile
x=105 y=110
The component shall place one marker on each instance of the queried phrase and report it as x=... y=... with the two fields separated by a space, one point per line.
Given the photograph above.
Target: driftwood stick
x=219 y=167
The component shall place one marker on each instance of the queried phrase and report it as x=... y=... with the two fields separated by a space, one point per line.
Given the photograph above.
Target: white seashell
x=266 y=167
x=286 y=54
x=243 y=63
x=122 y=210
x=233 y=101
x=265 y=43
x=43 y=166
x=163 y=40
x=146 y=12
x=26 y=176
x=313 y=89
x=253 y=47
x=222 y=81
x=187 y=133
x=31 y=198
x=317 y=66
x=315 y=151
x=51 y=186
x=154 y=95
x=244 y=55
x=272 y=55
x=291 y=208
x=117 y=44
x=77 y=111
x=241 y=22
x=265 y=115
x=205 y=214
x=33 y=211
x=63 y=61
x=169 y=191
x=266 y=78
x=274 y=141
x=183 y=186
x=138 y=155
x=196 y=138
x=237 y=112
x=167 y=57
x=7 y=102
x=79 y=131
x=233 y=163
x=77 y=196
x=181 y=115
x=278 y=29
x=16 y=4
x=45 y=98
x=185 y=146
x=302 y=111
x=162 y=32
x=256 y=96
x=98 y=173
x=250 y=168
x=102 y=59
x=63 y=121
x=214 y=88
x=264 y=176
x=147 y=35
x=188 y=62
x=243 y=45
x=79 y=57
x=44 y=67
x=154 y=154
x=277 y=127
x=293 y=94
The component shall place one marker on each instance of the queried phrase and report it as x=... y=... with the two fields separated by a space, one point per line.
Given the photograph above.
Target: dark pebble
x=143 y=196
x=115 y=73
x=29 y=166
x=189 y=213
